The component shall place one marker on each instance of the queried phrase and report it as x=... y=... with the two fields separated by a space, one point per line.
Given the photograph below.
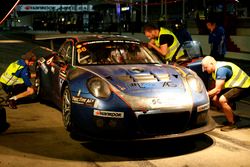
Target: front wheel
x=66 y=109
x=37 y=87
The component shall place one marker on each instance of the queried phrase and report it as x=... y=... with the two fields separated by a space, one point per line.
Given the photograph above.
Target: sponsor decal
x=82 y=100
x=120 y=87
x=152 y=85
x=203 y=107
x=169 y=84
x=49 y=61
x=147 y=85
x=108 y=114
x=93 y=42
x=156 y=101
x=82 y=49
x=53 y=8
x=62 y=75
x=166 y=101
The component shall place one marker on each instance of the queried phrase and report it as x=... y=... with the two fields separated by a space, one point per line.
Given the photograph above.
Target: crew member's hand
x=33 y=75
x=34 y=88
x=151 y=43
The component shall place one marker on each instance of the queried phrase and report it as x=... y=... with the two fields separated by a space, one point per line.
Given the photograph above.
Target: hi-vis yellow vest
x=172 y=48
x=238 y=79
x=9 y=78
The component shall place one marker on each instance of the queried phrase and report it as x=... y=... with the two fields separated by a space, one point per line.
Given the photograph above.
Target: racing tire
x=66 y=109
x=4 y=125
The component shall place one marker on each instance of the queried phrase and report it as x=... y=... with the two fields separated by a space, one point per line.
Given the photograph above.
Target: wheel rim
x=38 y=86
x=67 y=109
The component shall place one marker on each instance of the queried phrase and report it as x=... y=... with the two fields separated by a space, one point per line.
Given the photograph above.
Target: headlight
x=99 y=88
x=194 y=83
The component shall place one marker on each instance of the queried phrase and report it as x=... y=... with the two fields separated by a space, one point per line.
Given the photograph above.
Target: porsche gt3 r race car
x=111 y=87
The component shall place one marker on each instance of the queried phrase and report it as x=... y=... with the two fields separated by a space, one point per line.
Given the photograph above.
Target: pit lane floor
x=37 y=138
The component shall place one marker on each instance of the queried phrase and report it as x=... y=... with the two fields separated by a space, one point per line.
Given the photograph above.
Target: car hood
x=140 y=79
x=144 y=81
x=154 y=84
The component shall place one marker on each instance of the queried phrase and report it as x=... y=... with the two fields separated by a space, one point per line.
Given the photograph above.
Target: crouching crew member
x=16 y=79
x=231 y=84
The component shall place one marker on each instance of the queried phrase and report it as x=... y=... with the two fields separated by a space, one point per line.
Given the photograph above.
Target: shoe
x=236 y=118
x=4 y=127
x=229 y=127
x=224 y=123
x=12 y=104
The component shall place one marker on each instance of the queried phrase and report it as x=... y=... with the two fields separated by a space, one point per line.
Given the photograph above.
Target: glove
x=13 y=98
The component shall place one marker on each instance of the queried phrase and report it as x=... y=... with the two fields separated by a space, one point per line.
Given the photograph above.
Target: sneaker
x=4 y=127
x=12 y=104
x=228 y=127
x=224 y=123
x=236 y=118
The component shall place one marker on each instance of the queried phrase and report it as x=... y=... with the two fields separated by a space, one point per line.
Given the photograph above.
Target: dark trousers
x=13 y=90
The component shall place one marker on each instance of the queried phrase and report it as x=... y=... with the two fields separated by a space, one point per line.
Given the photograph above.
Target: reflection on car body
x=111 y=87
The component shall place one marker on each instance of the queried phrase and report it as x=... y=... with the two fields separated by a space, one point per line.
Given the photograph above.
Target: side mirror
x=6 y=8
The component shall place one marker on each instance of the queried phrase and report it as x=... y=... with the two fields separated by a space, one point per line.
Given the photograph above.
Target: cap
x=29 y=56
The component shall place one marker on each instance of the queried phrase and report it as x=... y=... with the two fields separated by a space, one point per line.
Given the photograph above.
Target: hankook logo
x=109 y=114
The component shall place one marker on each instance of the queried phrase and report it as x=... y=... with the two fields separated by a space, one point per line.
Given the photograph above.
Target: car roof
x=105 y=37
x=85 y=37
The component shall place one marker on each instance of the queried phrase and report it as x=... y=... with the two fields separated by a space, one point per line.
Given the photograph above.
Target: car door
x=61 y=62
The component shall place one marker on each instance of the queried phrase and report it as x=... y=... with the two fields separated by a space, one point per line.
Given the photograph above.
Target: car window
x=192 y=49
x=113 y=52
x=66 y=51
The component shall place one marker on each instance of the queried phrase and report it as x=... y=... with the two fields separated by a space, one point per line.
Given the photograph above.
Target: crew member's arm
x=25 y=75
x=166 y=40
x=33 y=75
x=151 y=43
x=219 y=85
x=26 y=93
x=223 y=73
x=163 y=49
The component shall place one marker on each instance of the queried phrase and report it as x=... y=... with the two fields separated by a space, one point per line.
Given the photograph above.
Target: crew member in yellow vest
x=16 y=79
x=164 y=42
x=231 y=84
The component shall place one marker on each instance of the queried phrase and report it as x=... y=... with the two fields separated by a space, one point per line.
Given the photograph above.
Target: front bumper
x=140 y=130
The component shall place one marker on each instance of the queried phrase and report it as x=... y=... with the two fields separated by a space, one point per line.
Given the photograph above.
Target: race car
x=111 y=87
x=192 y=60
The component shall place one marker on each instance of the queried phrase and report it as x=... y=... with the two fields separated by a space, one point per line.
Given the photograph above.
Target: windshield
x=193 y=49
x=114 y=52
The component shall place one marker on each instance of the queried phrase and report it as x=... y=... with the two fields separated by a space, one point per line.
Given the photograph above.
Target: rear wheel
x=66 y=109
